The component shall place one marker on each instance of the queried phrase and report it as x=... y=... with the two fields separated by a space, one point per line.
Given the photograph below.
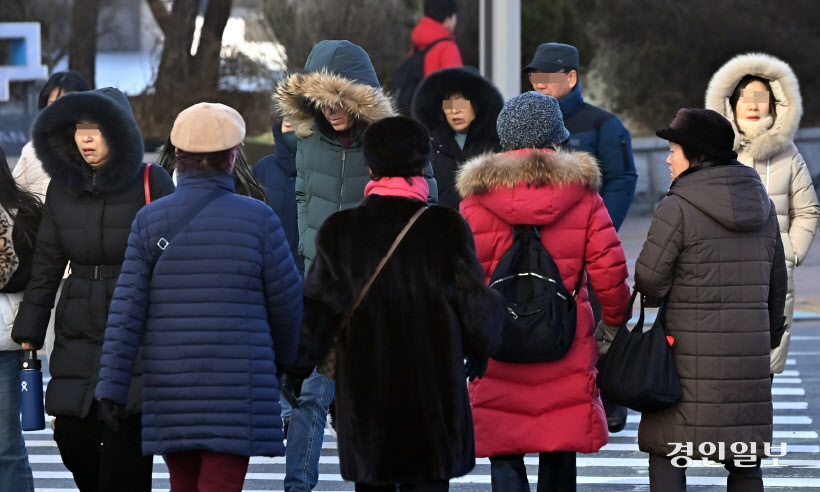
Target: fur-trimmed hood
x=512 y=185
x=339 y=73
x=786 y=91
x=487 y=102
x=53 y=138
x=530 y=166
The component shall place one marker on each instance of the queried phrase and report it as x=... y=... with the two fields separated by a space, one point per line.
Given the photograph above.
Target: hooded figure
x=277 y=175
x=92 y=149
x=552 y=408
x=457 y=134
x=764 y=135
x=713 y=252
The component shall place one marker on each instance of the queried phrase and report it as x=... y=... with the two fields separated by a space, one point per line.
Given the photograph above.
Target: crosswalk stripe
x=778 y=419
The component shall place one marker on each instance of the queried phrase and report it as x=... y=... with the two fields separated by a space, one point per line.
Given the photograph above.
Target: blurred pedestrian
x=92 y=149
x=459 y=108
x=713 y=253
x=760 y=96
x=551 y=408
x=404 y=415
x=19 y=215
x=213 y=314
x=277 y=175
x=438 y=23
x=330 y=106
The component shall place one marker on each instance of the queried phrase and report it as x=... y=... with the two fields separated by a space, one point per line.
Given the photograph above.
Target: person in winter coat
x=19 y=216
x=459 y=108
x=92 y=149
x=330 y=106
x=225 y=290
x=551 y=408
x=760 y=97
x=713 y=252
x=28 y=172
x=443 y=310
x=438 y=24
x=277 y=174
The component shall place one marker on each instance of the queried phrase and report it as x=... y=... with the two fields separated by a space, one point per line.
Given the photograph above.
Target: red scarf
x=396 y=186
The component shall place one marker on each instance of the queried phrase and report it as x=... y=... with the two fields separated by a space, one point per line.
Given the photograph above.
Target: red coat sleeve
x=606 y=264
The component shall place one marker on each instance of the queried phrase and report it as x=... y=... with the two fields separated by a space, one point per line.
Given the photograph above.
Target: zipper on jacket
x=342 y=178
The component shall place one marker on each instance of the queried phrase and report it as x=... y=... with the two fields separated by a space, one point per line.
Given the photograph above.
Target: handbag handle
x=639 y=325
x=387 y=256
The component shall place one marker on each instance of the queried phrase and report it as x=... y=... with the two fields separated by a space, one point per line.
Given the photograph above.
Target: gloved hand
x=291 y=387
x=604 y=334
x=475 y=368
x=111 y=413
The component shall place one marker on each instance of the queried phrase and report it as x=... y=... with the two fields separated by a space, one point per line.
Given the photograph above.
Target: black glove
x=111 y=413
x=291 y=388
x=475 y=368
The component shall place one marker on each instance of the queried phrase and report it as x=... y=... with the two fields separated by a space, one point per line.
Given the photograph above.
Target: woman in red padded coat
x=551 y=408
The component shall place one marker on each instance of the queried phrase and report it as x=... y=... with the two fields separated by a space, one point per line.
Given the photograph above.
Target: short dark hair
x=439 y=10
x=748 y=79
x=693 y=156
x=68 y=81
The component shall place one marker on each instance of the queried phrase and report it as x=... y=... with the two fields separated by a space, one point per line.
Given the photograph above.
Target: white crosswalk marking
x=619 y=466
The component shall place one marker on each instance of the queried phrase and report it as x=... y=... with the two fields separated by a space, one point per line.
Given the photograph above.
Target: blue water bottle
x=31 y=392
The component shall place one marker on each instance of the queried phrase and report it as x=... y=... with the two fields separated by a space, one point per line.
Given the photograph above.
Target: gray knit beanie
x=531 y=120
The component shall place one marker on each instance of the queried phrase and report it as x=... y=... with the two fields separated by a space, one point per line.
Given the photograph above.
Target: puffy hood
x=512 y=184
x=427 y=31
x=53 y=138
x=339 y=73
x=786 y=91
x=483 y=95
x=731 y=194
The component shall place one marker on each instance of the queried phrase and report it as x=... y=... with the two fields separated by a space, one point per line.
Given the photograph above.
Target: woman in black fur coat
x=459 y=108
x=403 y=412
x=91 y=147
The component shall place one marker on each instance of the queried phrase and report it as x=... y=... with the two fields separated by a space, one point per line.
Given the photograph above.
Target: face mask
x=754 y=129
x=290 y=140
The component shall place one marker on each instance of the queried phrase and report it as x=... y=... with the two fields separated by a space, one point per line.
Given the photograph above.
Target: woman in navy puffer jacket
x=214 y=316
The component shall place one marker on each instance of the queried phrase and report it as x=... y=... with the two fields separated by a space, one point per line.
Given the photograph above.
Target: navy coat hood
x=343 y=58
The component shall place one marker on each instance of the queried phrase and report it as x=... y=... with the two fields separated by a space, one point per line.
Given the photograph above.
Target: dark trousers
x=101 y=460
x=439 y=486
x=206 y=471
x=556 y=472
x=664 y=477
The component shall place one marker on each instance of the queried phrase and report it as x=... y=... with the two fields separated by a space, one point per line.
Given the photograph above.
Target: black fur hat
x=397 y=146
x=485 y=98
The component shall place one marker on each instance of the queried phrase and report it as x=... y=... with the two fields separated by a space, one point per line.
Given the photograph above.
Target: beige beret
x=208 y=127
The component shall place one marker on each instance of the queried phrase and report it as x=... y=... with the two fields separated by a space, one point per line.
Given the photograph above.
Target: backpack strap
x=146 y=186
x=430 y=46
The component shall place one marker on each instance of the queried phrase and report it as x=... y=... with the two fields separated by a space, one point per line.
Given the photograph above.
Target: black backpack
x=539 y=325
x=408 y=76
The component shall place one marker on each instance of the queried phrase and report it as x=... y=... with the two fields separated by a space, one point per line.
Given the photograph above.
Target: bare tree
x=82 y=52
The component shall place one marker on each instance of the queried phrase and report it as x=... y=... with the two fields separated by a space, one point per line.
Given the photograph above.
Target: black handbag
x=639 y=370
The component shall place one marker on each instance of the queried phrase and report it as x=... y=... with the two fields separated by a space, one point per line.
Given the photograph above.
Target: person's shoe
x=615 y=416
x=332 y=418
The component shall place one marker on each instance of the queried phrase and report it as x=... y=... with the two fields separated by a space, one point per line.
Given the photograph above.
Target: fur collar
x=301 y=96
x=531 y=166
x=786 y=92
x=53 y=138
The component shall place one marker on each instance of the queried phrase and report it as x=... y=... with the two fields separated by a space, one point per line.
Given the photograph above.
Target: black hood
x=482 y=94
x=282 y=155
x=731 y=194
x=53 y=138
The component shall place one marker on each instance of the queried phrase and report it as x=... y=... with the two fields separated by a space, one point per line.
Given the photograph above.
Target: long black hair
x=244 y=179
x=65 y=82
x=22 y=206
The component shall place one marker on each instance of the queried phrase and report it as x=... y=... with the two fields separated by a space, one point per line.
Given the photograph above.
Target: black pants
x=556 y=472
x=440 y=486
x=665 y=477
x=101 y=460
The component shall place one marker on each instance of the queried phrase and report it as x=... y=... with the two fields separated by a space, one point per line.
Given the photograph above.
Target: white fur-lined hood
x=786 y=90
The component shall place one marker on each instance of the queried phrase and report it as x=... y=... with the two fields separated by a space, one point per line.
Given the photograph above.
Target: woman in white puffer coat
x=760 y=96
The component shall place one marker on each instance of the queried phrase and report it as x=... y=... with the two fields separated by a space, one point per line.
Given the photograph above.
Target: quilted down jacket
x=214 y=316
x=549 y=406
x=713 y=251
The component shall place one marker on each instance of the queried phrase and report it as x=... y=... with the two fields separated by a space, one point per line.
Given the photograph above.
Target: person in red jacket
x=551 y=408
x=438 y=23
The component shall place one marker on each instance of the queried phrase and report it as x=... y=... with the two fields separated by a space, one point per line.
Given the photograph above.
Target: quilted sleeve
x=804 y=210
x=655 y=267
